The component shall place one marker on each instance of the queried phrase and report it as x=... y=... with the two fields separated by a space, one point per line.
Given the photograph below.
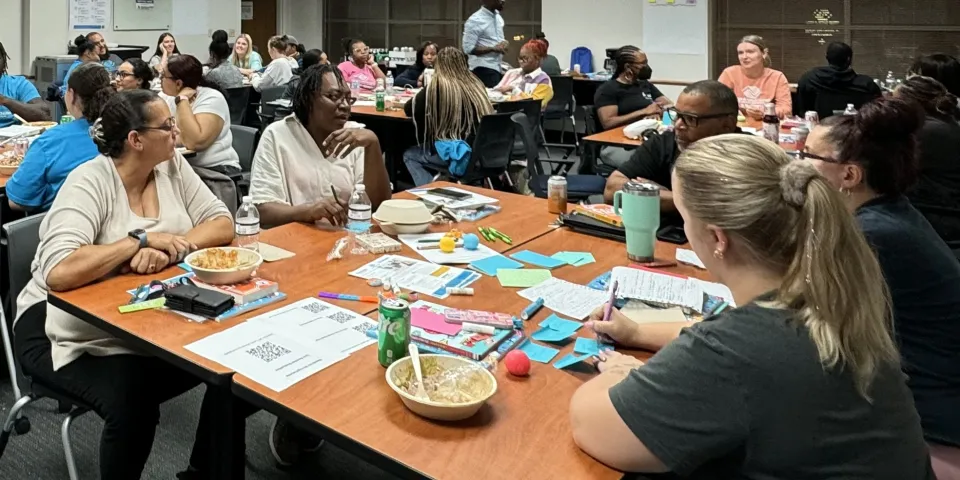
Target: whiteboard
x=142 y=14
x=678 y=27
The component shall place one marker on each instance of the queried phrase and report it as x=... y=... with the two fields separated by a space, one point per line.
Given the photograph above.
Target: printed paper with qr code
x=256 y=351
x=324 y=328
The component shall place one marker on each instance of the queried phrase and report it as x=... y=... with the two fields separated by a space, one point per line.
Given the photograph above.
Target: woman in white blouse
x=280 y=70
x=108 y=220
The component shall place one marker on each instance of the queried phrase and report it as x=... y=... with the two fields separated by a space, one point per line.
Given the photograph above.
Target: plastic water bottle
x=248 y=225
x=355 y=88
x=359 y=210
x=890 y=82
x=850 y=110
x=389 y=83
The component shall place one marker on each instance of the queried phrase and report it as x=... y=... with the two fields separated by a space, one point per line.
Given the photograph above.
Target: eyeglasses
x=805 y=155
x=692 y=119
x=121 y=74
x=338 y=98
x=155 y=289
x=167 y=126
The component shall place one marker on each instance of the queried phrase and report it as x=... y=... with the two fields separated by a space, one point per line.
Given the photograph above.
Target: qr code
x=268 y=351
x=314 y=307
x=364 y=327
x=341 y=317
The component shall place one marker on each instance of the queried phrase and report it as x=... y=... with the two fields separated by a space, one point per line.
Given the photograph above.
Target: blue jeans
x=422 y=164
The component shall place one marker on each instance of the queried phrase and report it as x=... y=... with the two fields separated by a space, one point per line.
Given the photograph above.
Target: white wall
x=11 y=34
x=302 y=19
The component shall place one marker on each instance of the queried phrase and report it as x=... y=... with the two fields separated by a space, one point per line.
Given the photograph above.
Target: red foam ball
x=517 y=363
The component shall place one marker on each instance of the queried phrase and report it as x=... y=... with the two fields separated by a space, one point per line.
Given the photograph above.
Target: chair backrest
x=530 y=107
x=245 y=143
x=237 y=100
x=494 y=142
x=23 y=238
x=526 y=132
x=271 y=94
x=591 y=153
x=829 y=101
x=562 y=92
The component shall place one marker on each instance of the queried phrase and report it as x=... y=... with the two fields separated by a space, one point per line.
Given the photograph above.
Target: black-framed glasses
x=155 y=289
x=121 y=74
x=341 y=97
x=692 y=119
x=168 y=126
x=805 y=155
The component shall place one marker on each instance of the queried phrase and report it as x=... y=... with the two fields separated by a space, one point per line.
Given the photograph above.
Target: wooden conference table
x=523 y=431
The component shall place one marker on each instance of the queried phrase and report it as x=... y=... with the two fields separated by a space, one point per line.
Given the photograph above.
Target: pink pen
x=607 y=311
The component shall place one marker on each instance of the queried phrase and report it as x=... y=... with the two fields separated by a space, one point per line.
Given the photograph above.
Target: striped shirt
x=483 y=29
x=536 y=84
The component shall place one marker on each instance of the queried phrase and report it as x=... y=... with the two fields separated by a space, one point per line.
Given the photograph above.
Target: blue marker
x=531 y=310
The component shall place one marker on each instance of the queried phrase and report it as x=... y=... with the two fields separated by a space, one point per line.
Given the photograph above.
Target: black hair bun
x=80 y=40
x=889 y=118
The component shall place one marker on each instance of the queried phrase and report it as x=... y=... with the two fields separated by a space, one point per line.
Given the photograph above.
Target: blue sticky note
x=537 y=259
x=569 y=360
x=590 y=346
x=490 y=265
x=550 y=335
x=538 y=353
x=554 y=322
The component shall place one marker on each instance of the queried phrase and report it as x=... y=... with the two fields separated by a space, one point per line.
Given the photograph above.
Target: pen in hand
x=608 y=310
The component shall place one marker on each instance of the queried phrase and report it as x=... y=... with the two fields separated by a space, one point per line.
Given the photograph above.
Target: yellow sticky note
x=522 y=278
x=671 y=1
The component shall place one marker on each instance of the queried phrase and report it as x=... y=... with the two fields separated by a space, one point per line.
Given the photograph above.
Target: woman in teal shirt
x=63 y=148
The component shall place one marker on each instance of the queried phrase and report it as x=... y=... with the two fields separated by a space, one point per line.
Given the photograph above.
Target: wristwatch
x=180 y=98
x=141 y=236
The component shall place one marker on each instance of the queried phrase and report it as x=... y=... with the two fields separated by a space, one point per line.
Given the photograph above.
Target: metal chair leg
x=12 y=420
x=67 y=447
x=543 y=135
x=11 y=366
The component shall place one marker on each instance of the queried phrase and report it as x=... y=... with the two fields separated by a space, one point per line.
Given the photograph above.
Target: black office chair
x=268 y=111
x=23 y=238
x=529 y=107
x=491 y=151
x=237 y=101
x=245 y=144
x=590 y=158
x=562 y=107
x=579 y=187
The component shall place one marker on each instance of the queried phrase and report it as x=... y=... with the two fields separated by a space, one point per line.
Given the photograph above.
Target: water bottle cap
x=247 y=198
x=360 y=187
x=634 y=187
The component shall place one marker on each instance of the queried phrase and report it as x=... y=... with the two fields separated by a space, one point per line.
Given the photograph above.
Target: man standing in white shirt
x=484 y=42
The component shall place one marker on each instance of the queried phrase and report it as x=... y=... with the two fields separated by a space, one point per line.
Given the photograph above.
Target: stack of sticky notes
x=577 y=259
x=556 y=329
x=590 y=346
x=522 y=278
x=538 y=353
x=534 y=258
x=490 y=265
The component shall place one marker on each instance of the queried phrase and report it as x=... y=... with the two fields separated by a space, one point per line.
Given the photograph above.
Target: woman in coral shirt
x=755 y=83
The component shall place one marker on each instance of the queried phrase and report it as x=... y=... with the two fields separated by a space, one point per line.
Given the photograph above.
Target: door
x=262 y=26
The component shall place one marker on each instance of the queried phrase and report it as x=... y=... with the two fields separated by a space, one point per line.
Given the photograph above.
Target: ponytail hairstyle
x=932 y=96
x=278 y=44
x=882 y=139
x=762 y=45
x=782 y=216
x=219 y=53
x=624 y=56
x=123 y=113
x=84 y=46
x=219 y=36
x=188 y=70
x=90 y=83
x=464 y=97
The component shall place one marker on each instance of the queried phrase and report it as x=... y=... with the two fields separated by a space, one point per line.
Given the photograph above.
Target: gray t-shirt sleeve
x=686 y=404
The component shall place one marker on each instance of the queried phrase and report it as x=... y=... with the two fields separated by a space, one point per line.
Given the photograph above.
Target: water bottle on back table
x=247 y=223
x=850 y=110
x=359 y=210
x=389 y=83
x=355 y=88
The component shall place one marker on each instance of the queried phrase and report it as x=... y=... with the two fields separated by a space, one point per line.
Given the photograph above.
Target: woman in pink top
x=755 y=83
x=361 y=65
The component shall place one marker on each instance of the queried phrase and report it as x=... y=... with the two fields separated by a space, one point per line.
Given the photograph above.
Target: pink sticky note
x=433 y=322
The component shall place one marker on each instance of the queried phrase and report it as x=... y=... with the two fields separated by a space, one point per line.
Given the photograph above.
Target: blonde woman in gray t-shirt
x=137 y=208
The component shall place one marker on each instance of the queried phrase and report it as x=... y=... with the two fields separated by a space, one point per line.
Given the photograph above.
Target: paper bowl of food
x=46 y=124
x=9 y=160
x=456 y=387
x=224 y=265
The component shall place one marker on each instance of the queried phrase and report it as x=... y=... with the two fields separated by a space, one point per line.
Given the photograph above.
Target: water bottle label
x=251 y=229
x=360 y=215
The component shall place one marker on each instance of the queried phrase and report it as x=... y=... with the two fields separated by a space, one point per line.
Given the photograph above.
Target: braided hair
x=311 y=83
x=464 y=102
x=4 y=58
x=624 y=56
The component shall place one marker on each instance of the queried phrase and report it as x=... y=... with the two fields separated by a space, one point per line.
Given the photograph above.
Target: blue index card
x=554 y=322
x=538 y=353
x=537 y=259
x=546 y=334
x=569 y=360
x=489 y=265
x=590 y=346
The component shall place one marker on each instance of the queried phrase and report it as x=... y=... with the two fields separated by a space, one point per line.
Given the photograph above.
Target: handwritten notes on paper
x=656 y=287
x=565 y=298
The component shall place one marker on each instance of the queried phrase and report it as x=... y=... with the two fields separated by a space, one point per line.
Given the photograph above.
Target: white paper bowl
x=395 y=229
x=406 y=212
x=436 y=410
x=248 y=259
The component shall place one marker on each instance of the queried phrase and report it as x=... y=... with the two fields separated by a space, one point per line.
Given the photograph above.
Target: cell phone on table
x=446 y=192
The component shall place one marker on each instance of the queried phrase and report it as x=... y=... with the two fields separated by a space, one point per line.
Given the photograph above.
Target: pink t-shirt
x=754 y=93
x=368 y=80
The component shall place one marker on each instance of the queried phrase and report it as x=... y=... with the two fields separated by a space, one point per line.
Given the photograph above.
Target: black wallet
x=200 y=301
x=590 y=226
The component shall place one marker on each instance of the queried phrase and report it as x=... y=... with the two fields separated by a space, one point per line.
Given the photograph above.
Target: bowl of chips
x=224 y=265
x=10 y=158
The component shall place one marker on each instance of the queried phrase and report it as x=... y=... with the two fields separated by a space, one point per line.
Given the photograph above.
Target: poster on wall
x=246 y=10
x=89 y=14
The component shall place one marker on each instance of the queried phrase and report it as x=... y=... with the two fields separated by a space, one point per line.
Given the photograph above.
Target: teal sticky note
x=550 y=335
x=554 y=322
x=569 y=360
x=586 y=259
x=538 y=353
x=570 y=258
x=490 y=265
x=537 y=259
x=590 y=346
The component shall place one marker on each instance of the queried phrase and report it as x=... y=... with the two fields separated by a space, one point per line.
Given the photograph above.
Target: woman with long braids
x=446 y=114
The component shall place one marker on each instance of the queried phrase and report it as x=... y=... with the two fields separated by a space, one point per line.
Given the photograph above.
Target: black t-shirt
x=654 y=160
x=923 y=276
x=744 y=395
x=627 y=98
x=939 y=184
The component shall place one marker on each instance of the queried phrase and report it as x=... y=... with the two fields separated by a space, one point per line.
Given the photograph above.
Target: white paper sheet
x=689 y=257
x=324 y=328
x=563 y=297
x=459 y=254
x=473 y=201
x=642 y=313
x=417 y=275
x=253 y=350
x=658 y=288
x=14 y=130
x=717 y=290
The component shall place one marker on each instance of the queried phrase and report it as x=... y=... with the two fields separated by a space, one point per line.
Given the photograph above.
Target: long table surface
x=613 y=137
x=164 y=333
x=522 y=432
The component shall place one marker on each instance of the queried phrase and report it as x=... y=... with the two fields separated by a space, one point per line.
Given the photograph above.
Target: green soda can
x=393 y=331
x=66 y=119
x=381 y=100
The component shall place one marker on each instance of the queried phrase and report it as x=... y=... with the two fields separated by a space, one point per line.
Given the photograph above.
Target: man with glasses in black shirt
x=704 y=109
